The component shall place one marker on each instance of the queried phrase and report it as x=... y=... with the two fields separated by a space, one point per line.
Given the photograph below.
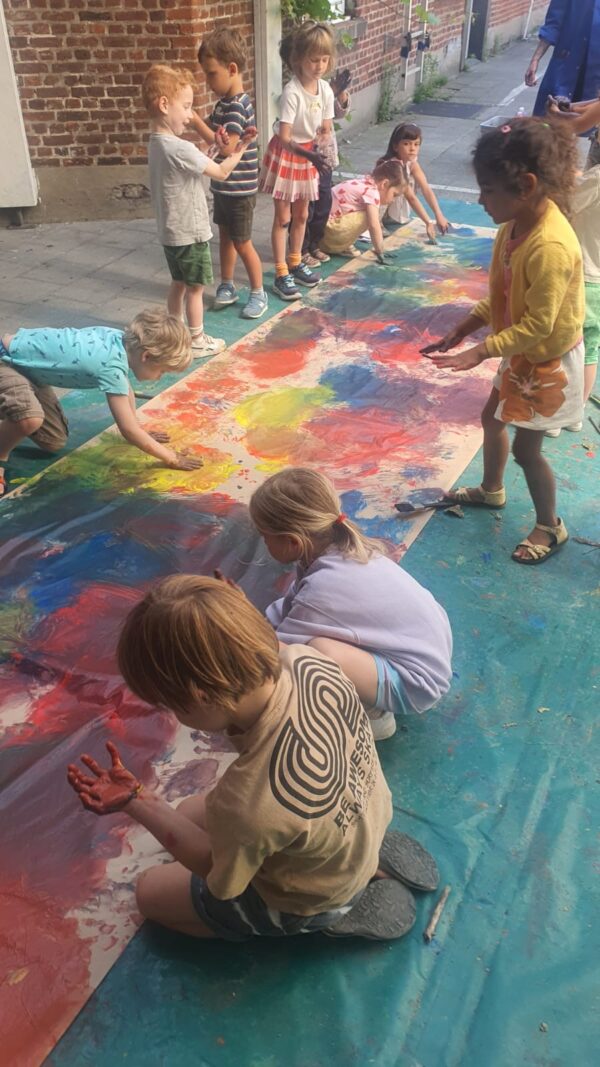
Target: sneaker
x=310 y=260
x=575 y=427
x=350 y=253
x=225 y=295
x=256 y=306
x=285 y=287
x=204 y=345
x=383 y=724
x=552 y=433
x=321 y=256
x=304 y=276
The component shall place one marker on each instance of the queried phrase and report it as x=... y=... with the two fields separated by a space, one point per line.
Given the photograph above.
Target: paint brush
x=429 y=931
x=410 y=510
x=594 y=424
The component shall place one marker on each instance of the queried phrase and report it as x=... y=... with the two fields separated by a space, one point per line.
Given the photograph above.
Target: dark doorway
x=479 y=24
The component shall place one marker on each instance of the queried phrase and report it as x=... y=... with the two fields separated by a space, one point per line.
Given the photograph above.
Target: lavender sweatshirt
x=376 y=606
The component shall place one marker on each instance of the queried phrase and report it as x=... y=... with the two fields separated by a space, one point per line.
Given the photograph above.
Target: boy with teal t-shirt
x=97 y=357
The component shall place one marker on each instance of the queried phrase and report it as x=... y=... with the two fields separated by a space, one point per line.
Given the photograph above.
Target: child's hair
x=302 y=502
x=164 y=337
x=226 y=46
x=529 y=146
x=164 y=81
x=406 y=131
x=195 y=640
x=309 y=39
x=390 y=170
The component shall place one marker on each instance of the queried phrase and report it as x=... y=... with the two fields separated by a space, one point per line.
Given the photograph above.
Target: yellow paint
x=283 y=408
x=17 y=976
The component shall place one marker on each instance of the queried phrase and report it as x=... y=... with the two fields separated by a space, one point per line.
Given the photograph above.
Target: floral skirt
x=541 y=396
x=286 y=176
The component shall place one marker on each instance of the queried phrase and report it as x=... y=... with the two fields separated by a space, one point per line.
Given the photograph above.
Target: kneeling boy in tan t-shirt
x=289 y=839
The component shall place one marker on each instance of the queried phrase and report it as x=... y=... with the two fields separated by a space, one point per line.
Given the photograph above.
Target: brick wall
x=80 y=63
x=504 y=11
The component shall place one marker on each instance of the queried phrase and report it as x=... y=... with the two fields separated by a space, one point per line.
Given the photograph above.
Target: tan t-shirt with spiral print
x=302 y=811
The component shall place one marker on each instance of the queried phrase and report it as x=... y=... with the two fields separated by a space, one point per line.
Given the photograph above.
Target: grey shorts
x=248 y=916
x=22 y=399
x=235 y=215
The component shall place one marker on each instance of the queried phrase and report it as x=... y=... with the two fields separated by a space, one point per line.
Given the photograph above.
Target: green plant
x=431 y=83
x=321 y=10
x=385 y=107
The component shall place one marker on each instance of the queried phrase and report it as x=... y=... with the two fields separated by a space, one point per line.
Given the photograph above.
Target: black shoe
x=385 y=911
x=406 y=860
x=303 y=276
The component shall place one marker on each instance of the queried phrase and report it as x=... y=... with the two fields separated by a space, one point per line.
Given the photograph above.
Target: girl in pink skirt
x=291 y=167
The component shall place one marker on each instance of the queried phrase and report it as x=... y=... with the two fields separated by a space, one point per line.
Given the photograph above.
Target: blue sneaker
x=225 y=295
x=286 y=288
x=305 y=276
x=256 y=306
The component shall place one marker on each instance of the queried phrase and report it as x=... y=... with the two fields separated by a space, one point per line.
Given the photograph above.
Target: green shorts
x=591 y=325
x=190 y=263
x=235 y=215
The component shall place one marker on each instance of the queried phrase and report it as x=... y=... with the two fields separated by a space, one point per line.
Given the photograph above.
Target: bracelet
x=135 y=793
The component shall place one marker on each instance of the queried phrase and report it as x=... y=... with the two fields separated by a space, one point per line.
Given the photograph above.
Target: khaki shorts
x=21 y=399
x=341 y=233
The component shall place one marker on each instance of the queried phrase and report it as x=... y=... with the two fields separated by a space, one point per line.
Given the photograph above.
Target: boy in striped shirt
x=222 y=56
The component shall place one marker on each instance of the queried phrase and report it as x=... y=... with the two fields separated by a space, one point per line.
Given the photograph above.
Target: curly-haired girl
x=526 y=171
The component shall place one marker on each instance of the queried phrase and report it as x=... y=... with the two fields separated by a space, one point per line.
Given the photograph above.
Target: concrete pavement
x=85 y=273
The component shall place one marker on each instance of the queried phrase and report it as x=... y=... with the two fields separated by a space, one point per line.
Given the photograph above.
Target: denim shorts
x=391 y=694
x=248 y=916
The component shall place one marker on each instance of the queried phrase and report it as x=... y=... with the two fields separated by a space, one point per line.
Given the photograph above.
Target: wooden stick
x=431 y=927
x=586 y=541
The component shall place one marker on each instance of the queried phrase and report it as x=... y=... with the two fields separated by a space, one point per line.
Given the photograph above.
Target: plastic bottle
x=520 y=113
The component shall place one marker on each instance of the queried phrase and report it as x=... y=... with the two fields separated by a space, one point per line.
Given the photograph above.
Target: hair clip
x=505 y=129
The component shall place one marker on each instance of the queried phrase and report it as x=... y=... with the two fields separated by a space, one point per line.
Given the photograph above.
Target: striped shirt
x=235 y=114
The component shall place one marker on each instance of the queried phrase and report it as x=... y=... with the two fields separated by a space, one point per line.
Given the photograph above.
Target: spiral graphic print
x=308 y=769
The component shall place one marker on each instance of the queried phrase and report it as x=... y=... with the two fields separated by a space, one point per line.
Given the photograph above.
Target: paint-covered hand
x=431 y=231
x=384 y=258
x=451 y=339
x=466 y=360
x=106 y=790
x=160 y=436
x=442 y=224
x=531 y=74
x=221 y=137
x=250 y=134
x=180 y=462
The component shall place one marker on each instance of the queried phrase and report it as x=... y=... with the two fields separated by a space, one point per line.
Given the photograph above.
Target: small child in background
x=350 y=602
x=291 y=167
x=176 y=167
x=292 y=839
x=97 y=357
x=223 y=58
x=404 y=146
x=356 y=204
x=526 y=171
x=319 y=210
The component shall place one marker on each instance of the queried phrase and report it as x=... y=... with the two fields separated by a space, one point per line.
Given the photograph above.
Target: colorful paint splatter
x=338 y=383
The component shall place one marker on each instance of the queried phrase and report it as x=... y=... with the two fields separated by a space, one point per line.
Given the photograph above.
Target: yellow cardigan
x=547 y=297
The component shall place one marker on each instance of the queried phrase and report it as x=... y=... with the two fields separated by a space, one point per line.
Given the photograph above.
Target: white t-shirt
x=304 y=111
x=399 y=210
x=176 y=168
x=585 y=221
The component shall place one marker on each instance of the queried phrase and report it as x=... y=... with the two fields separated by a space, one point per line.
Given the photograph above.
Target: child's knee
x=522 y=450
x=242 y=247
x=301 y=210
x=29 y=426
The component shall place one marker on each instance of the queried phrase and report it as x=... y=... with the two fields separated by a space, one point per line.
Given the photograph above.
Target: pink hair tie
x=505 y=129
x=340 y=519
